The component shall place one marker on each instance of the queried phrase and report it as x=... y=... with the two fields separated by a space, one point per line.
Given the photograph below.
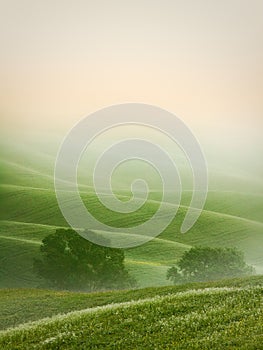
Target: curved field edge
x=26 y=305
x=221 y=316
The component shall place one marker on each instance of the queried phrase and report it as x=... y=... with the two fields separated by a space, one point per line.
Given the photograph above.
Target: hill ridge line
x=212 y=212
x=3 y=159
x=92 y=310
x=45 y=225
x=123 y=189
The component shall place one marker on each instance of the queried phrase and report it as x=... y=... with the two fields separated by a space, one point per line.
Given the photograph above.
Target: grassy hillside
x=222 y=315
x=219 y=315
x=29 y=212
x=25 y=305
x=19 y=244
x=23 y=226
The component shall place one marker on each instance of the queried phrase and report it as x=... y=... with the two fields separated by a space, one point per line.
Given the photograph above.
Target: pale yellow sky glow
x=202 y=60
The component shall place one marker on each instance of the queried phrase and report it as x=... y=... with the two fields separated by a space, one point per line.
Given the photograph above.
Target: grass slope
x=148 y=263
x=19 y=244
x=29 y=212
x=222 y=315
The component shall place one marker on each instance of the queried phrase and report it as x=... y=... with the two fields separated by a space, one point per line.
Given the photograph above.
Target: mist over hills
x=232 y=214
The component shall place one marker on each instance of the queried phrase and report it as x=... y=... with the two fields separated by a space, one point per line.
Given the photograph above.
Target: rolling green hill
x=219 y=315
x=29 y=212
x=23 y=227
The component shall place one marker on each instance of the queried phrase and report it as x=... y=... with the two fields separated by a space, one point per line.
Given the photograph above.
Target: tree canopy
x=71 y=262
x=206 y=263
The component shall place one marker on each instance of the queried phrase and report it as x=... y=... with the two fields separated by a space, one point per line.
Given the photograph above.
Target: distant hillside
x=29 y=212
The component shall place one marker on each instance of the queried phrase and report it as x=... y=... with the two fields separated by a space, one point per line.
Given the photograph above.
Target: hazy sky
x=202 y=60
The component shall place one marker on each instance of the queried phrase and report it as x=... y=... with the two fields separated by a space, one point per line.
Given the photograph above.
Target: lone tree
x=206 y=264
x=71 y=262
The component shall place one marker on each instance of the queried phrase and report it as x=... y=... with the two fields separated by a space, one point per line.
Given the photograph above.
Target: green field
x=219 y=315
x=23 y=228
x=29 y=212
x=216 y=315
